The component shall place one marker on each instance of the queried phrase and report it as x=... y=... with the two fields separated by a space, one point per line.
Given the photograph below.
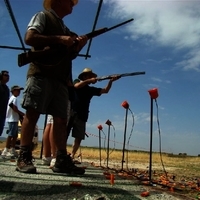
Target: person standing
x=80 y=107
x=47 y=79
x=49 y=149
x=4 y=97
x=12 y=118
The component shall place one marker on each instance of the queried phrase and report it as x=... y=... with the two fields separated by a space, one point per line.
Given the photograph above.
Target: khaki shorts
x=77 y=127
x=46 y=96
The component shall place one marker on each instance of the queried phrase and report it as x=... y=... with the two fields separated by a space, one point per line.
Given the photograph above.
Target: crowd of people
x=50 y=90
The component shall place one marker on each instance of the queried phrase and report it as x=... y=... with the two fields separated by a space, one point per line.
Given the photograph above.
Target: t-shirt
x=83 y=97
x=11 y=115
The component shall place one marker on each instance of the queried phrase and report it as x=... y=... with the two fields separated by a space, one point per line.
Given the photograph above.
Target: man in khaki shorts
x=46 y=89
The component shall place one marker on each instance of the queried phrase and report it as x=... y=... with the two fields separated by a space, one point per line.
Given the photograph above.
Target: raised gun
x=119 y=75
x=31 y=56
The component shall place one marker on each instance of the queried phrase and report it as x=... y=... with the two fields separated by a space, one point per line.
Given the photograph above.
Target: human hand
x=81 y=41
x=67 y=40
x=115 y=77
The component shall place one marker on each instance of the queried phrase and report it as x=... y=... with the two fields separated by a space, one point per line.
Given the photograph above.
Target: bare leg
x=75 y=146
x=59 y=133
x=28 y=127
x=13 y=142
x=8 y=142
x=52 y=143
x=46 y=141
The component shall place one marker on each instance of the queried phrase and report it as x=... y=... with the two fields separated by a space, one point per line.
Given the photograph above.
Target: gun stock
x=30 y=56
x=23 y=59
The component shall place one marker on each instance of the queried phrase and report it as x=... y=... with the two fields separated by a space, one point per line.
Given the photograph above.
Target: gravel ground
x=49 y=185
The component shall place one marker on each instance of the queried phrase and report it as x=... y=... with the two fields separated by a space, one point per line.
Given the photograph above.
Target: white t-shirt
x=11 y=115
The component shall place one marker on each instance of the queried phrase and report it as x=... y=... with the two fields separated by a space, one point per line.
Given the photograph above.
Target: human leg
x=6 y=152
x=46 y=145
x=13 y=133
x=75 y=146
x=24 y=162
x=63 y=162
x=58 y=109
x=37 y=93
x=11 y=139
x=52 y=143
x=78 y=132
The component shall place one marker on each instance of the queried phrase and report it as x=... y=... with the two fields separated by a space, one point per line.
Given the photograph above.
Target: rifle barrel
x=120 y=75
x=120 y=24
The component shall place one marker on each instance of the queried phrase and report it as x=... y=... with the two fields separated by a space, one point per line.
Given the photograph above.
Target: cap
x=16 y=87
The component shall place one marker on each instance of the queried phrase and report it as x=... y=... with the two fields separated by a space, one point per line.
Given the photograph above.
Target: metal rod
x=151 y=133
x=94 y=25
x=14 y=23
x=125 y=127
x=100 y=147
x=108 y=145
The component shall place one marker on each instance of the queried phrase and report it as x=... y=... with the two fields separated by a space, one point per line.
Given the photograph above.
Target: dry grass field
x=183 y=166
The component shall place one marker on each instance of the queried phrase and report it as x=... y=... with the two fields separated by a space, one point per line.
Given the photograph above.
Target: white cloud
x=160 y=80
x=166 y=23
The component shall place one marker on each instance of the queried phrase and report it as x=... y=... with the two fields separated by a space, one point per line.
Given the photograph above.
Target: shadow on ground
x=23 y=191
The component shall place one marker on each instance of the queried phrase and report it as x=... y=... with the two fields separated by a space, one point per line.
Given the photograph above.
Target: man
x=4 y=97
x=80 y=107
x=12 y=118
x=46 y=87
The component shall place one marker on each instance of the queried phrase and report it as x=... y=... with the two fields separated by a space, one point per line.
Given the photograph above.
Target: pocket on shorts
x=32 y=93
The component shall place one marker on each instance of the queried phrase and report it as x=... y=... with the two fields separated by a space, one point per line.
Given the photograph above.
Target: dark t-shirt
x=82 y=101
x=4 y=97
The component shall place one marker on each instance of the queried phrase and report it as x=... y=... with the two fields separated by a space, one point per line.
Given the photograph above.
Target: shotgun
x=33 y=56
x=119 y=75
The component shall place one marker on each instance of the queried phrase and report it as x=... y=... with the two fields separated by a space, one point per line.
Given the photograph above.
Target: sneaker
x=53 y=161
x=6 y=153
x=64 y=164
x=24 y=162
x=46 y=160
x=13 y=152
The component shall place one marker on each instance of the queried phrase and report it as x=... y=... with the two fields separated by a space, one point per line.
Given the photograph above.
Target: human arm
x=35 y=37
x=15 y=108
x=109 y=85
x=80 y=84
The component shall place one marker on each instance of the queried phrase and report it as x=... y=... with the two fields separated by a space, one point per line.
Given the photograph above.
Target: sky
x=163 y=41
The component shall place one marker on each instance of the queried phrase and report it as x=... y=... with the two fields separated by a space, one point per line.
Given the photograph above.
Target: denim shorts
x=12 y=129
x=46 y=96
